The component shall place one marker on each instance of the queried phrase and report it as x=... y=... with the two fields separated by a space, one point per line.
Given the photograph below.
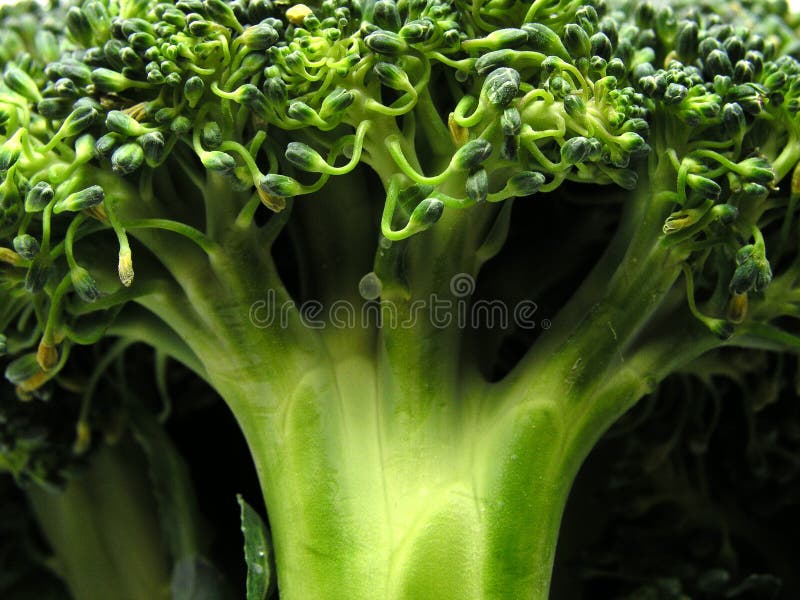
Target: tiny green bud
x=84 y=147
x=336 y=102
x=141 y=41
x=559 y=86
x=180 y=126
x=22 y=369
x=81 y=200
x=193 y=90
x=616 y=68
x=78 y=26
x=753 y=271
x=281 y=186
x=3 y=345
x=776 y=80
x=253 y=99
x=510 y=148
x=46 y=45
x=66 y=87
x=386 y=15
x=725 y=213
x=211 y=135
x=683 y=219
x=425 y=215
x=392 y=76
x=471 y=154
x=21 y=83
x=511 y=121
x=576 y=150
x=38 y=197
x=79 y=119
x=743 y=72
x=675 y=93
x=754 y=192
x=501 y=86
x=26 y=246
x=525 y=183
x=576 y=41
x=54 y=108
x=84 y=284
x=221 y=12
x=127 y=158
x=733 y=119
x=477 y=185
x=259 y=37
x=106 y=80
x=98 y=17
x=124 y=124
x=718 y=63
x=9 y=155
x=218 y=161
x=686 y=40
x=707 y=187
x=105 y=145
x=574 y=106
x=38 y=274
x=386 y=42
x=276 y=91
x=251 y=64
x=153 y=146
x=75 y=70
x=497 y=39
x=601 y=46
x=543 y=39
x=304 y=157
x=300 y=111
x=418 y=30
x=411 y=196
x=757 y=170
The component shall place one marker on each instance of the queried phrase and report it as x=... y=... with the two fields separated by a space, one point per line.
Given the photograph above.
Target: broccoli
x=307 y=205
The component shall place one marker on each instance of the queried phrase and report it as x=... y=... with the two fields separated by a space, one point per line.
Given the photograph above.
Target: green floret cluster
x=155 y=157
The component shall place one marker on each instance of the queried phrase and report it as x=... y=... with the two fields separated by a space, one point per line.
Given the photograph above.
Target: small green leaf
x=256 y=552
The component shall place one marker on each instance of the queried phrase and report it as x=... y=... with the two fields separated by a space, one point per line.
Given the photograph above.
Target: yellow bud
x=274 y=203
x=459 y=134
x=125 y=267
x=83 y=437
x=9 y=256
x=23 y=395
x=34 y=383
x=137 y=111
x=737 y=308
x=47 y=355
x=298 y=13
x=97 y=212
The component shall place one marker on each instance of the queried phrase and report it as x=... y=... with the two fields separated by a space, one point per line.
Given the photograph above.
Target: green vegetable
x=405 y=456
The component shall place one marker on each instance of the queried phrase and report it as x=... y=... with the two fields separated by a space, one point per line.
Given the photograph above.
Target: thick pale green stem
x=104 y=530
x=460 y=500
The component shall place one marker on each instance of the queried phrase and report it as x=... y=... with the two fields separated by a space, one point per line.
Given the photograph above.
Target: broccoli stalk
x=103 y=531
x=392 y=465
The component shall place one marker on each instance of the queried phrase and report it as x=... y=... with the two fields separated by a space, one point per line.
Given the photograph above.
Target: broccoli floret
x=297 y=202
